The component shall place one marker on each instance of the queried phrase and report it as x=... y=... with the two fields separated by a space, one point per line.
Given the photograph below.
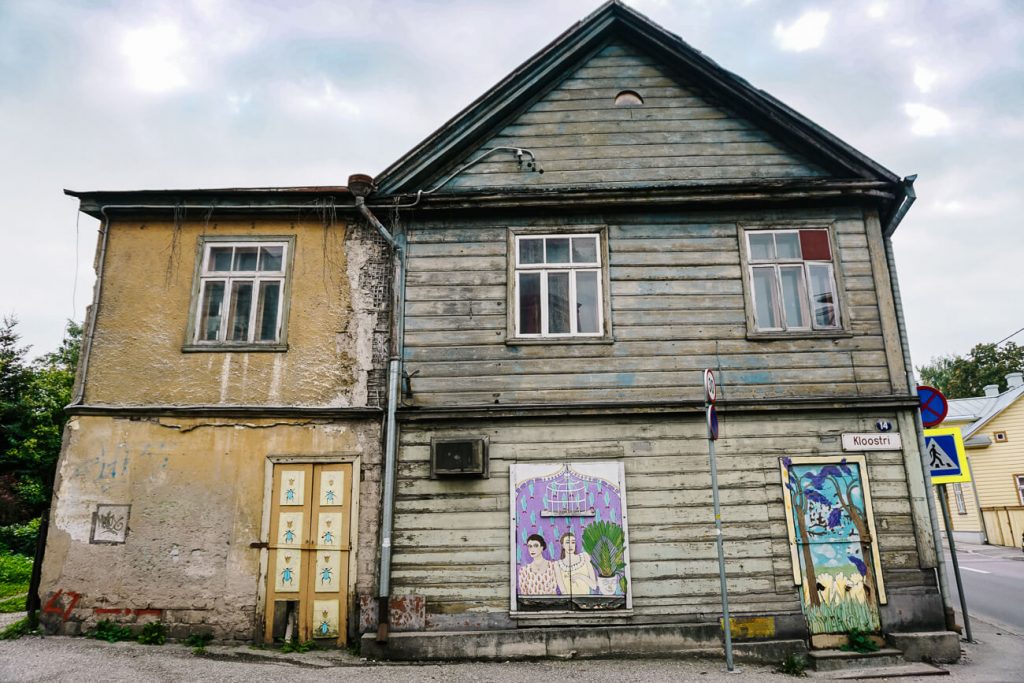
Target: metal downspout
x=94 y=309
x=397 y=243
x=909 y=197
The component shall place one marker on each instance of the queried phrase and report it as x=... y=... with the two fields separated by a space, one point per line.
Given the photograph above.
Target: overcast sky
x=123 y=95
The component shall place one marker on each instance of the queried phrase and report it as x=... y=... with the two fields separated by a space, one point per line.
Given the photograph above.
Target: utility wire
x=1010 y=337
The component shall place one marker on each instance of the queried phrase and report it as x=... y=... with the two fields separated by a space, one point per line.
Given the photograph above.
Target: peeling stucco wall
x=142 y=320
x=196 y=490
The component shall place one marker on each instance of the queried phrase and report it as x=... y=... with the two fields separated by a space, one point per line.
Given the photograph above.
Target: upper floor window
x=792 y=280
x=558 y=285
x=240 y=293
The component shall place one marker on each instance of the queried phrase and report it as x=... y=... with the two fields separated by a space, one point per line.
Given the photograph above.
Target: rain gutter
x=909 y=196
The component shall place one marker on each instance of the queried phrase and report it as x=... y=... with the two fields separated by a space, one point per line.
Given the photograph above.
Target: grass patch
x=841 y=618
x=15 y=603
x=15 y=630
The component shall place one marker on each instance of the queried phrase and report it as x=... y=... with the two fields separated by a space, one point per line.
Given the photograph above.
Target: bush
x=153 y=633
x=15 y=568
x=20 y=539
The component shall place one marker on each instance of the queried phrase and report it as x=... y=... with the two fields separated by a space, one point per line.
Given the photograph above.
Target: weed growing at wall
x=793 y=665
x=296 y=646
x=858 y=640
x=15 y=630
x=153 y=633
x=110 y=631
x=198 y=642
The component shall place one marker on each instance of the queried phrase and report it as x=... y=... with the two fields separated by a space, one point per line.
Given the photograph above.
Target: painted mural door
x=832 y=540
x=308 y=564
x=570 y=546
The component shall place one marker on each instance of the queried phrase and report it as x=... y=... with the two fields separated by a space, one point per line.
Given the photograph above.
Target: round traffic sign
x=712 y=419
x=710 y=387
x=933 y=405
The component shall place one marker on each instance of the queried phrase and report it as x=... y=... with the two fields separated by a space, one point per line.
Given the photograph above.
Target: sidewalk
x=998 y=551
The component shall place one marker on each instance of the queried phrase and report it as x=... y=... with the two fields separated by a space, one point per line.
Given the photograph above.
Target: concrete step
x=874 y=672
x=838 y=660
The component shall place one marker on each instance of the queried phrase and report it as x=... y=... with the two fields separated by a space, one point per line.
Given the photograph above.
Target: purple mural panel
x=570 y=533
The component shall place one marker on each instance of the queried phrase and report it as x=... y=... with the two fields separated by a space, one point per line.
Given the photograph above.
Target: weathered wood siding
x=677 y=307
x=451 y=542
x=679 y=134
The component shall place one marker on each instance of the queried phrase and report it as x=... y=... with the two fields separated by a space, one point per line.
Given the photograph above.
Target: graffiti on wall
x=832 y=541
x=569 y=536
x=110 y=524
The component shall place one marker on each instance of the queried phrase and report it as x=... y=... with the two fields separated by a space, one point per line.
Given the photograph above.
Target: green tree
x=967 y=376
x=32 y=400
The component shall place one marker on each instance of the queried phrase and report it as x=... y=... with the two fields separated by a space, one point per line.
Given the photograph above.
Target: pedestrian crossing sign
x=944 y=453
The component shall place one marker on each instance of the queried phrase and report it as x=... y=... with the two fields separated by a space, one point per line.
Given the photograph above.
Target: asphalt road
x=993 y=582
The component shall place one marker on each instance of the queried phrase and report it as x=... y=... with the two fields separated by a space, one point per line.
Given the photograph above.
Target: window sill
x=572 y=615
x=799 y=334
x=548 y=341
x=234 y=348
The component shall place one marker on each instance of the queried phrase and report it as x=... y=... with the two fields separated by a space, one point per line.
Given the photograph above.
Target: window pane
x=787 y=244
x=270 y=258
x=793 y=295
x=765 y=303
x=558 y=302
x=241 y=305
x=586 y=302
x=266 y=313
x=212 y=301
x=584 y=250
x=814 y=245
x=529 y=303
x=762 y=248
x=531 y=251
x=558 y=250
x=220 y=259
x=245 y=258
x=823 y=295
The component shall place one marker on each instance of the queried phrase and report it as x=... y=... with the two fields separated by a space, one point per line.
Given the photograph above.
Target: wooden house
x=990 y=508
x=617 y=215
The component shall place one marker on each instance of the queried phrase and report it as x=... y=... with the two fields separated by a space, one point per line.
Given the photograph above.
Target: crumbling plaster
x=196 y=488
x=143 y=316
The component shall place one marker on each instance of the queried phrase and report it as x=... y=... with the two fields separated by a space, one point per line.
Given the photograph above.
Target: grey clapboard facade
x=670 y=164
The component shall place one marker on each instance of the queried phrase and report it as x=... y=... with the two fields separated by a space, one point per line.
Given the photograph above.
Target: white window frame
x=958 y=496
x=205 y=276
x=777 y=264
x=1018 y=479
x=545 y=270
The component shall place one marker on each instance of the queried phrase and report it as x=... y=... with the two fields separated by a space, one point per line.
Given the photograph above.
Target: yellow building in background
x=991 y=507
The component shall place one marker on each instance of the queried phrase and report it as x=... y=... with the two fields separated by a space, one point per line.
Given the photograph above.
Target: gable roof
x=613 y=20
x=981 y=410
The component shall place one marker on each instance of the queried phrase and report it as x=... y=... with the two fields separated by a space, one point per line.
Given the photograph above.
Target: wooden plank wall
x=580 y=137
x=451 y=537
x=677 y=307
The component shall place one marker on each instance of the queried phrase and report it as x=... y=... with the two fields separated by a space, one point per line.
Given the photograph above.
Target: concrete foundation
x=689 y=640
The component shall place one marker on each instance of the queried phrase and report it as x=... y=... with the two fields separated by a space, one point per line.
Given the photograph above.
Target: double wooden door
x=307 y=577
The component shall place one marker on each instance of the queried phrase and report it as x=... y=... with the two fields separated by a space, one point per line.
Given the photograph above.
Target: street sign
x=944 y=453
x=871 y=441
x=710 y=386
x=712 y=416
x=933 y=405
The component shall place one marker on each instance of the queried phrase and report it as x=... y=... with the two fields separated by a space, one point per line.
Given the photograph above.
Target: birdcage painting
x=566 y=495
x=569 y=536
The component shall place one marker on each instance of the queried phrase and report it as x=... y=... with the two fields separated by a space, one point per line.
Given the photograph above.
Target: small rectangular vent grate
x=458 y=458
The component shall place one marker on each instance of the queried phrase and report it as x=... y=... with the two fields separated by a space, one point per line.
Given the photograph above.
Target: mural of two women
x=571 y=574
x=569 y=537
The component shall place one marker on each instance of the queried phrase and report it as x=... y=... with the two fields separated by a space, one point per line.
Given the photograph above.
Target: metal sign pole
x=711 y=418
x=721 y=555
x=944 y=503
